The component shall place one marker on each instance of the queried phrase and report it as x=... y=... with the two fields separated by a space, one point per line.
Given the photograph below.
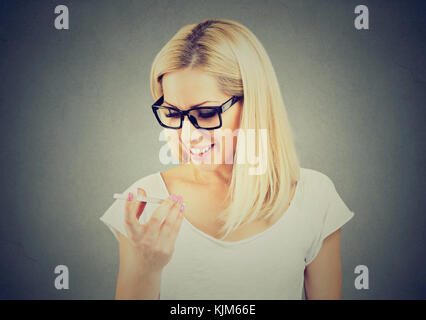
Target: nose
x=189 y=134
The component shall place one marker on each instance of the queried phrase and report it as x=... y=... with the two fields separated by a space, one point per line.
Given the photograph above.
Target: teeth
x=199 y=151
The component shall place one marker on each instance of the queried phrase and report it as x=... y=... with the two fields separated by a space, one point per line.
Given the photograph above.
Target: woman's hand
x=153 y=243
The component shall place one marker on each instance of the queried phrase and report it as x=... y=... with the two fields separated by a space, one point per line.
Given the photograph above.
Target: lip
x=200 y=148
x=204 y=155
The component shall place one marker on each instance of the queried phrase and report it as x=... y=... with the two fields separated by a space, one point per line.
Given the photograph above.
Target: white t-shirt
x=268 y=265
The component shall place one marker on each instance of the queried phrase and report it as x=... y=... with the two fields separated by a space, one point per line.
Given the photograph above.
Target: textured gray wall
x=76 y=127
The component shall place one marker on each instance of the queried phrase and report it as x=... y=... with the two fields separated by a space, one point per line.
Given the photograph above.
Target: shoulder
x=317 y=188
x=316 y=181
x=155 y=183
x=147 y=182
x=322 y=200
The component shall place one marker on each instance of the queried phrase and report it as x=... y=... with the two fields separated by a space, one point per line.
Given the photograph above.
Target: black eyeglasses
x=201 y=117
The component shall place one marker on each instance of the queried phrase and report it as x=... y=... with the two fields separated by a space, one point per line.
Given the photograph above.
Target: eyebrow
x=196 y=105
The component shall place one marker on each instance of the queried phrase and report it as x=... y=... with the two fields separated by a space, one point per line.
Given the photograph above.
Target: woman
x=244 y=233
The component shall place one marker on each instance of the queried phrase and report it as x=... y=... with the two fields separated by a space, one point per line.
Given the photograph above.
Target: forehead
x=189 y=87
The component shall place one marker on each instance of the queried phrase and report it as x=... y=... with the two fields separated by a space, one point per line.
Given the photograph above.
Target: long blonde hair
x=235 y=57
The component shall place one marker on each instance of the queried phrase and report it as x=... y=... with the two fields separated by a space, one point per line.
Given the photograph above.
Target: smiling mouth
x=198 y=151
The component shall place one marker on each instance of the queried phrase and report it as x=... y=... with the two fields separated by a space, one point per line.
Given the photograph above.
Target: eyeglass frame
x=220 y=109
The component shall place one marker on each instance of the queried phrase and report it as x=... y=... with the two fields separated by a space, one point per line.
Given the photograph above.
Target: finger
x=157 y=218
x=167 y=236
x=174 y=204
x=173 y=217
x=130 y=220
x=177 y=225
x=167 y=225
x=141 y=205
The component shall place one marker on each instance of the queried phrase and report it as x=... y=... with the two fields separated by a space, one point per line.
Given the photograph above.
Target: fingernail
x=181 y=208
x=172 y=196
x=130 y=197
x=179 y=198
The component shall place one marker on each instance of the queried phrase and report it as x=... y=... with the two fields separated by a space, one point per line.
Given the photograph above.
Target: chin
x=206 y=166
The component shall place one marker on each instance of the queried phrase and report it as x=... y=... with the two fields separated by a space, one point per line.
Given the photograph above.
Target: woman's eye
x=173 y=114
x=207 y=114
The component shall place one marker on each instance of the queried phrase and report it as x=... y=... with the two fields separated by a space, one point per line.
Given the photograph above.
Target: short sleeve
x=114 y=216
x=333 y=218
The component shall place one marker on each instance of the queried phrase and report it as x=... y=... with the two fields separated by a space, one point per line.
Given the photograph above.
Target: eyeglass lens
x=204 y=117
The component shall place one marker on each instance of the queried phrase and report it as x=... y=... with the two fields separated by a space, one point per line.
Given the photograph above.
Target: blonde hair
x=232 y=54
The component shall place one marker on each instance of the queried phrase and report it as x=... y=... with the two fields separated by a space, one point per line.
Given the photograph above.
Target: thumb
x=141 y=205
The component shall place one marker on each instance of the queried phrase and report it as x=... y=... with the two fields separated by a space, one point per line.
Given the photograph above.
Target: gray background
x=76 y=126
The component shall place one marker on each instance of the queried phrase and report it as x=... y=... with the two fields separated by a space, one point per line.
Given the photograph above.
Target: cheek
x=172 y=138
x=231 y=123
x=226 y=141
x=173 y=142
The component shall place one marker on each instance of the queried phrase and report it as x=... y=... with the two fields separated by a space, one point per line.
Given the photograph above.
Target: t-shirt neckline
x=290 y=208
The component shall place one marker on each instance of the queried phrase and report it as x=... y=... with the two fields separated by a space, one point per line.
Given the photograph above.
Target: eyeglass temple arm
x=234 y=100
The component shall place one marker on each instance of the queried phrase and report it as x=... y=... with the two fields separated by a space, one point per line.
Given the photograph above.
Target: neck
x=221 y=175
